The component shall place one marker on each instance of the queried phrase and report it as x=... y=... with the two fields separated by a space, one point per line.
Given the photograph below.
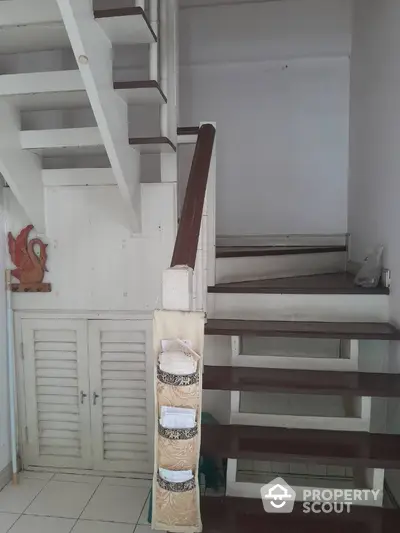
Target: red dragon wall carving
x=30 y=265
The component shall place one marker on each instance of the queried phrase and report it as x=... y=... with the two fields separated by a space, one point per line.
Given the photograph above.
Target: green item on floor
x=214 y=478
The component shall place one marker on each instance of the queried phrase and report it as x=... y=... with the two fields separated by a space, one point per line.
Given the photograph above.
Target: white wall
x=5 y=453
x=374 y=185
x=275 y=78
x=95 y=263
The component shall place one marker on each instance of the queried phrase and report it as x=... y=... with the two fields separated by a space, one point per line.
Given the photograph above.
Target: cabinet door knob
x=83 y=396
x=95 y=396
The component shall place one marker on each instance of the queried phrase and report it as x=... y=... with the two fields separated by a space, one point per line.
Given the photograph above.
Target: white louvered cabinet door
x=121 y=380
x=57 y=393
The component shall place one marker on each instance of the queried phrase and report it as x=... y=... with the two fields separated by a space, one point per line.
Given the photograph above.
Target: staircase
x=78 y=42
x=301 y=352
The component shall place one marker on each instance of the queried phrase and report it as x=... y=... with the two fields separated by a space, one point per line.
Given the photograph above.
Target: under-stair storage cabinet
x=87 y=394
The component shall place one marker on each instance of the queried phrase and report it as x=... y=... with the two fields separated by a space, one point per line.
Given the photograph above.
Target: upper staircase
x=65 y=62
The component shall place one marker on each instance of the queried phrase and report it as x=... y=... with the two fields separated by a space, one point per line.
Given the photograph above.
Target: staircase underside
x=343 y=448
x=244 y=515
x=339 y=283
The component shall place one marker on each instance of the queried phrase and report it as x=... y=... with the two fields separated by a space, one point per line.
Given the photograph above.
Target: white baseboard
x=5 y=476
x=102 y=473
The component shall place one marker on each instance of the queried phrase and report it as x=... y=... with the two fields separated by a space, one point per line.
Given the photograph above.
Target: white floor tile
x=16 y=498
x=127 y=482
x=42 y=524
x=116 y=504
x=145 y=529
x=92 y=480
x=90 y=526
x=145 y=513
x=7 y=520
x=62 y=499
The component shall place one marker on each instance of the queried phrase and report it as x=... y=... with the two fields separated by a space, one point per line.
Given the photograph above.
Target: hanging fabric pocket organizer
x=176 y=504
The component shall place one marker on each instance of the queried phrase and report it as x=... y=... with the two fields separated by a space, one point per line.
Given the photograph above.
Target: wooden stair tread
x=330 y=330
x=301 y=381
x=259 y=251
x=153 y=145
x=188 y=130
x=340 y=283
x=327 y=447
x=241 y=515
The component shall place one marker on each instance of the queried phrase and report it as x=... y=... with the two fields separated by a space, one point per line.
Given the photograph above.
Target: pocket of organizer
x=178 y=391
x=177 y=503
x=177 y=448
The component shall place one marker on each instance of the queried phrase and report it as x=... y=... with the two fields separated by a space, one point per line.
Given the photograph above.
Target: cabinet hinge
x=22 y=350
x=26 y=434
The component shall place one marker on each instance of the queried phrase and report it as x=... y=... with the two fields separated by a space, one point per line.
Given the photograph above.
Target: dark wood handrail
x=187 y=238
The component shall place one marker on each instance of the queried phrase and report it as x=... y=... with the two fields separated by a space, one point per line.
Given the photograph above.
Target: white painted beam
x=332 y=423
x=93 y=52
x=20 y=169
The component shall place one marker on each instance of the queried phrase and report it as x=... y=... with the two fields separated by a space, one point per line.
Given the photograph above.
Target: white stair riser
x=301 y=411
x=231 y=269
x=21 y=12
x=300 y=307
x=301 y=422
x=300 y=354
x=40 y=82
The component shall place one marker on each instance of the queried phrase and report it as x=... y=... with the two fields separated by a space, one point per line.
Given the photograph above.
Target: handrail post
x=177 y=289
x=185 y=282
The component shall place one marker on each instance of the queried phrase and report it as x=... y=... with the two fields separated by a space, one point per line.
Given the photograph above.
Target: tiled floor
x=63 y=503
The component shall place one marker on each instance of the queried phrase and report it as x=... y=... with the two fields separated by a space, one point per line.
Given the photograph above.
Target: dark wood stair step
x=311 y=330
x=342 y=448
x=153 y=145
x=340 y=283
x=188 y=130
x=301 y=381
x=260 y=251
x=244 y=515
